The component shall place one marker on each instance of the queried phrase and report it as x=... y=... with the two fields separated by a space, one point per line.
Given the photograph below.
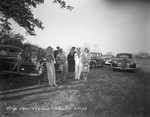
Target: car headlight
x=115 y=62
x=109 y=60
x=132 y=64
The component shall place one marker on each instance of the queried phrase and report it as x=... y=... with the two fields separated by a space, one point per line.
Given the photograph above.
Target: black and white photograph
x=74 y=58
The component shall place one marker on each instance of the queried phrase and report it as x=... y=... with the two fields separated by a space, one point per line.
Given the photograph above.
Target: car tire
x=103 y=63
x=93 y=65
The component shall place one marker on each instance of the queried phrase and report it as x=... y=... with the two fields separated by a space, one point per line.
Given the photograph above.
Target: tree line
x=8 y=37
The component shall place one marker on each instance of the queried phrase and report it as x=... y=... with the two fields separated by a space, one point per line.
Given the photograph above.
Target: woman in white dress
x=50 y=67
x=78 y=63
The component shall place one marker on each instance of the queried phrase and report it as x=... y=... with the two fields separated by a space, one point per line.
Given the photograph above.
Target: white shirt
x=77 y=58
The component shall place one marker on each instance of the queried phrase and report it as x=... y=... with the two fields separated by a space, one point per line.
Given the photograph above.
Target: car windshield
x=108 y=56
x=95 y=55
x=14 y=51
x=129 y=56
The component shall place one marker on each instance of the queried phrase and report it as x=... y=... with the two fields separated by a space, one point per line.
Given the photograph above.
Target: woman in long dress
x=78 y=63
x=71 y=62
x=61 y=60
x=50 y=67
x=86 y=58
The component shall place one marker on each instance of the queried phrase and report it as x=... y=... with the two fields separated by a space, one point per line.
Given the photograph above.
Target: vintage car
x=8 y=58
x=96 y=60
x=123 y=61
x=8 y=54
x=108 y=59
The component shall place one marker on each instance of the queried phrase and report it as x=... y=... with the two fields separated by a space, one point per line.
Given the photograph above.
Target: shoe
x=49 y=85
x=85 y=78
x=55 y=85
x=78 y=78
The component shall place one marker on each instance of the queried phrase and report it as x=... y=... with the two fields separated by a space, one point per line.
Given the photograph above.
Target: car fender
x=93 y=61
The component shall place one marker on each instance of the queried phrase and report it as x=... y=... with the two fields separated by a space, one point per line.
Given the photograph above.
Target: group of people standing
x=74 y=63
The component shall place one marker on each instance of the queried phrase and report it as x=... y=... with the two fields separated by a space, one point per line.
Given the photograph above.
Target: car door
x=3 y=58
x=100 y=60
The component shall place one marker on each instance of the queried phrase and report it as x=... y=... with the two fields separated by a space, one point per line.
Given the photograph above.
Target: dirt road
x=104 y=94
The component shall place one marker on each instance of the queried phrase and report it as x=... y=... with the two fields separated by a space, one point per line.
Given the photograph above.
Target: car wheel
x=103 y=63
x=93 y=65
x=114 y=69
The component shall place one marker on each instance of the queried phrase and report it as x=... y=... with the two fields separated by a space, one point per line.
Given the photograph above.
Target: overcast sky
x=113 y=25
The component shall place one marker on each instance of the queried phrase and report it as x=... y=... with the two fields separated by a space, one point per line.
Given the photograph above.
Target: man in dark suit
x=56 y=52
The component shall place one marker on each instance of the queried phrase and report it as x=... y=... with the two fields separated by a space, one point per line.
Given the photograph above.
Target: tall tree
x=21 y=12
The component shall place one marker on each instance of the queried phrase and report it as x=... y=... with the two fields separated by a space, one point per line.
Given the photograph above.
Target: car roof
x=128 y=54
x=95 y=53
x=108 y=55
x=125 y=53
x=9 y=46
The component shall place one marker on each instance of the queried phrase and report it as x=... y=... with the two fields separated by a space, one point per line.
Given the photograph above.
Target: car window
x=93 y=55
x=124 y=56
x=96 y=55
x=109 y=56
x=100 y=55
x=3 y=52
x=13 y=52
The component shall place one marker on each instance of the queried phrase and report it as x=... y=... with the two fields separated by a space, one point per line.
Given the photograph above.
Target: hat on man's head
x=73 y=48
x=58 y=47
x=78 y=48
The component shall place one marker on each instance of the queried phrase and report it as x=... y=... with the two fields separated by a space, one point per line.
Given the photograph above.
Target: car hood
x=108 y=58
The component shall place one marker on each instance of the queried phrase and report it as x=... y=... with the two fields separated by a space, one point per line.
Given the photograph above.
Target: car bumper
x=122 y=68
x=107 y=63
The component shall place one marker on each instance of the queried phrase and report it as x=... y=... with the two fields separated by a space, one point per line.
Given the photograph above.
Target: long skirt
x=64 y=67
x=51 y=73
x=71 y=67
x=85 y=68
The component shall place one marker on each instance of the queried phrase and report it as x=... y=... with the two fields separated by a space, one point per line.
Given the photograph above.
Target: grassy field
x=144 y=64
x=105 y=94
